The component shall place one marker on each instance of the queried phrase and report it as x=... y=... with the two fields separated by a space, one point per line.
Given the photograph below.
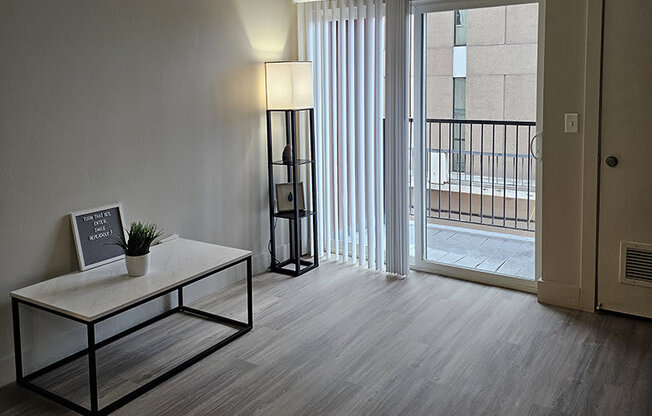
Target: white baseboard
x=558 y=294
x=260 y=263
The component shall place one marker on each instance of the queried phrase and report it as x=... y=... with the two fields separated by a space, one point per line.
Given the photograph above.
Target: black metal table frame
x=93 y=345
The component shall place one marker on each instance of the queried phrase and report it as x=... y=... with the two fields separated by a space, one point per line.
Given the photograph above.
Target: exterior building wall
x=486 y=26
x=439 y=95
x=520 y=21
x=501 y=63
x=439 y=65
x=501 y=80
x=520 y=97
x=485 y=95
x=439 y=30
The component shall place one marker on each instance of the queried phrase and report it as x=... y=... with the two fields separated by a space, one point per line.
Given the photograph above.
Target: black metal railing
x=478 y=171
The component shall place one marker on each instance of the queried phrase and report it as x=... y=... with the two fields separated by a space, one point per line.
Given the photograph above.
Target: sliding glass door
x=474 y=164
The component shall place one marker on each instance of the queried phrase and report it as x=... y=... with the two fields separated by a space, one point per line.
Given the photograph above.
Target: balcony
x=479 y=194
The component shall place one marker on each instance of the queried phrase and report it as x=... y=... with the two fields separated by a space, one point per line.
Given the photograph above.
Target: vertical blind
x=397 y=138
x=345 y=40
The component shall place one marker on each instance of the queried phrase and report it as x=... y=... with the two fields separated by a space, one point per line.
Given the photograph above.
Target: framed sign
x=285 y=197
x=94 y=231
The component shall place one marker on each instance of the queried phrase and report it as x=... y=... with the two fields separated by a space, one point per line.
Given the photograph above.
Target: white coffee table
x=91 y=296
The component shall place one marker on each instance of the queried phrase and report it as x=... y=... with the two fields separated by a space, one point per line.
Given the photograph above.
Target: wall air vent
x=636 y=263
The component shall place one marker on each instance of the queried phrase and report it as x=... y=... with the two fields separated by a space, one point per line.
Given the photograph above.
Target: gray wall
x=157 y=104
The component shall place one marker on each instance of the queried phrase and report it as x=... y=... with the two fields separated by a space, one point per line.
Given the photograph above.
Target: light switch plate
x=571 y=121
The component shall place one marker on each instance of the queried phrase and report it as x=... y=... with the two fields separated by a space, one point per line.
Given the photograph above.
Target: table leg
x=250 y=301
x=180 y=297
x=18 y=351
x=92 y=368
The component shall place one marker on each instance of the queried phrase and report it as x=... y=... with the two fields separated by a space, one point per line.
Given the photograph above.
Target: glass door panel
x=479 y=95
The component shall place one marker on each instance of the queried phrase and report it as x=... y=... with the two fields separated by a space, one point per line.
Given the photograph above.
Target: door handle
x=532 y=150
x=612 y=161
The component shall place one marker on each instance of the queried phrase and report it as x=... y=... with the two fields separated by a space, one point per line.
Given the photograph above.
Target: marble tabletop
x=95 y=293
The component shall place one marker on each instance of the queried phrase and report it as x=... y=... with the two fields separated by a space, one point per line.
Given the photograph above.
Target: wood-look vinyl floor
x=343 y=340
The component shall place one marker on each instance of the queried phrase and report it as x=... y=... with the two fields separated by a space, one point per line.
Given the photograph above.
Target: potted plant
x=136 y=247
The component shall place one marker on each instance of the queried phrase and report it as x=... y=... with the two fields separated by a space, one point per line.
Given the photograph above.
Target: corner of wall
x=7 y=374
x=558 y=294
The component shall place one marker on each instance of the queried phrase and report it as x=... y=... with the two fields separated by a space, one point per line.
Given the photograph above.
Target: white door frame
x=419 y=8
x=591 y=166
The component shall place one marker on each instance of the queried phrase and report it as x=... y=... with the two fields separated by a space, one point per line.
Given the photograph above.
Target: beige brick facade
x=501 y=63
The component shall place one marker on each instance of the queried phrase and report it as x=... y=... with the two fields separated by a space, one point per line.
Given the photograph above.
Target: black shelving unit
x=294 y=265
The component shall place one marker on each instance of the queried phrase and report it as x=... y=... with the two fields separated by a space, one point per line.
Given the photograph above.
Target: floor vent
x=636 y=263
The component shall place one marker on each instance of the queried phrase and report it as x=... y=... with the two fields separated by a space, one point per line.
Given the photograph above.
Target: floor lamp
x=289 y=90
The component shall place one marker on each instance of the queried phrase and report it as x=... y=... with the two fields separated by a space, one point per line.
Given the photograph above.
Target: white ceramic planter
x=137 y=265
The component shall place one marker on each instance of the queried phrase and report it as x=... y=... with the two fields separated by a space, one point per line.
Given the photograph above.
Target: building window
x=459 y=98
x=460 y=27
x=459 y=112
x=459 y=95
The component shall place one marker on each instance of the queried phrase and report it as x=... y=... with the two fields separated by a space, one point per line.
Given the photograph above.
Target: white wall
x=570 y=161
x=158 y=104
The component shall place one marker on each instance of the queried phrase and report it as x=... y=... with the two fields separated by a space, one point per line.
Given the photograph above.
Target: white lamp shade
x=289 y=85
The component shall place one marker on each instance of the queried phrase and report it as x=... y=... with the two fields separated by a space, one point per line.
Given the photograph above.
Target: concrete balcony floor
x=488 y=251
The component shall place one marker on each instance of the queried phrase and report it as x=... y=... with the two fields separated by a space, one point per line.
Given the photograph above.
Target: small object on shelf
x=287 y=155
x=285 y=197
x=136 y=247
x=290 y=214
x=299 y=162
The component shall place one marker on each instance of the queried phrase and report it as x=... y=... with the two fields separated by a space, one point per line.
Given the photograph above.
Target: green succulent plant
x=140 y=238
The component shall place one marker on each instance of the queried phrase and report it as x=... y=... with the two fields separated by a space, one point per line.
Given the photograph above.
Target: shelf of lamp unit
x=299 y=162
x=290 y=214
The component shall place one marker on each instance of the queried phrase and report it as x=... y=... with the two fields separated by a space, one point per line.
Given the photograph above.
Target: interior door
x=625 y=224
